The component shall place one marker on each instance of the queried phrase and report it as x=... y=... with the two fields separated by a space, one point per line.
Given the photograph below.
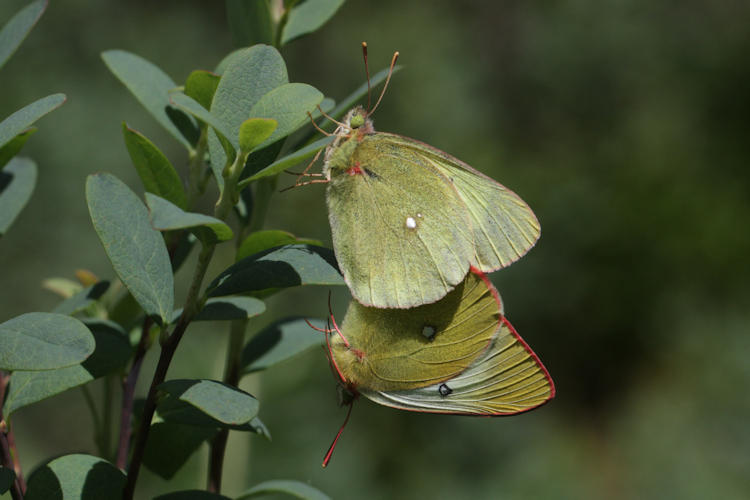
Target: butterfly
x=408 y=220
x=459 y=355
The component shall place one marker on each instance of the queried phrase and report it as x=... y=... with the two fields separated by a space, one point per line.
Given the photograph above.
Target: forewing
x=504 y=227
x=406 y=349
x=508 y=378
x=401 y=233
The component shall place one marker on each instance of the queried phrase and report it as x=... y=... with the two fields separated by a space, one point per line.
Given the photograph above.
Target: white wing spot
x=419 y=215
x=411 y=223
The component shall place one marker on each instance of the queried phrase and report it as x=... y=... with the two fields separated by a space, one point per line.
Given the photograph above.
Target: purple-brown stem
x=8 y=453
x=128 y=395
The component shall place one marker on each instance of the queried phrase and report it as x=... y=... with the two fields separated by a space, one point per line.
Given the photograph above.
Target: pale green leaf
x=43 y=341
x=135 y=249
x=22 y=119
x=263 y=240
x=18 y=27
x=280 y=341
x=76 y=477
x=14 y=146
x=166 y=216
x=282 y=267
x=17 y=182
x=288 y=487
x=201 y=85
x=255 y=131
x=112 y=352
x=247 y=76
x=223 y=403
x=148 y=83
x=307 y=17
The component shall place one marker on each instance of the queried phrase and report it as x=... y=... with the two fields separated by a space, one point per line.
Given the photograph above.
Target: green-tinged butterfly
x=458 y=356
x=407 y=219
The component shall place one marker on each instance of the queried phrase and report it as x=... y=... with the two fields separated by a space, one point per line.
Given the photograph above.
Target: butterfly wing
x=504 y=227
x=507 y=379
x=407 y=349
x=401 y=233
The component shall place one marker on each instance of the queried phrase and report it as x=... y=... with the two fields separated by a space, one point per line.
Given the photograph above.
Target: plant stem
x=98 y=430
x=7 y=444
x=128 y=395
x=231 y=377
x=169 y=346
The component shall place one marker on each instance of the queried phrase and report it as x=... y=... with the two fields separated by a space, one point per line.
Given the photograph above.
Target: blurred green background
x=623 y=123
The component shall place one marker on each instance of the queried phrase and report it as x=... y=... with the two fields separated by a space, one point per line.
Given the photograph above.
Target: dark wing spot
x=444 y=390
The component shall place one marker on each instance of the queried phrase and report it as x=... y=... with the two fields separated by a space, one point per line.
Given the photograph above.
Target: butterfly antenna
x=335 y=365
x=367 y=72
x=329 y=117
x=309 y=115
x=329 y=453
x=305 y=173
x=324 y=330
x=388 y=79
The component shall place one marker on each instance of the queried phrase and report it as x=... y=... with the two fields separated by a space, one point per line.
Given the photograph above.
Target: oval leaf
x=292 y=488
x=148 y=83
x=26 y=116
x=289 y=105
x=190 y=105
x=167 y=217
x=17 y=182
x=227 y=308
x=76 y=476
x=15 y=30
x=112 y=352
x=247 y=75
x=255 y=131
x=170 y=445
x=279 y=342
x=221 y=402
x=135 y=249
x=155 y=170
x=263 y=240
x=288 y=161
x=201 y=85
x=43 y=341
x=282 y=267
x=308 y=17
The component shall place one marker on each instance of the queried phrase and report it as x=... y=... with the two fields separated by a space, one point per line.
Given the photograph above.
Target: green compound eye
x=357 y=121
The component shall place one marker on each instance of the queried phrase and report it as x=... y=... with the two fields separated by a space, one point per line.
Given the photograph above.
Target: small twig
x=128 y=395
x=6 y=438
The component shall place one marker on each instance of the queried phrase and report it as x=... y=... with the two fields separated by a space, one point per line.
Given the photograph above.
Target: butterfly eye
x=357 y=121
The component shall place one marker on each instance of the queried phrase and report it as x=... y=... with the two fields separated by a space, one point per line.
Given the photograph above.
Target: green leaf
x=289 y=105
x=17 y=182
x=255 y=131
x=19 y=26
x=307 y=17
x=292 y=488
x=201 y=85
x=288 y=161
x=247 y=76
x=155 y=170
x=168 y=217
x=278 y=342
x=226 y=404
x=14 y=146
x=282 y=267
x=43 y=341
x=190 y=105
x=76 y=477
x=135 y=249
x=170 y=445
x=191 y=495
x=7 y=476
x=82 y=299
x=249 y=22
x=263 y=240
x=149 y=84
x=227 y=308
x=112 y=352
x=22 y=119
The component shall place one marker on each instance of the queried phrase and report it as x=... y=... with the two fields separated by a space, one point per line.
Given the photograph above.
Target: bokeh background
x=623 y=123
